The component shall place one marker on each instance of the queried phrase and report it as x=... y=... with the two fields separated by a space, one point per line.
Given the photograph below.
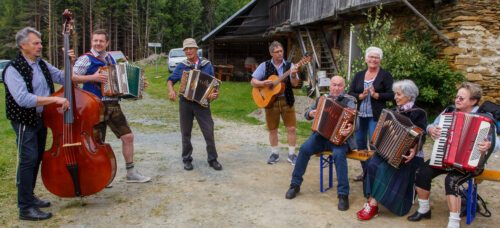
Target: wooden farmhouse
x=466 y=32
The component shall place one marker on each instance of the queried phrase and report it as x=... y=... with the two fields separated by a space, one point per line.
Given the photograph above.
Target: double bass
x=77 y=164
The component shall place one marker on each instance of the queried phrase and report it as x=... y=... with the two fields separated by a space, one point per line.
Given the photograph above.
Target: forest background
x=132 y=24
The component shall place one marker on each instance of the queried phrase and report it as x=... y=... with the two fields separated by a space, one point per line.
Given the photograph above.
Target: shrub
x=413 y=58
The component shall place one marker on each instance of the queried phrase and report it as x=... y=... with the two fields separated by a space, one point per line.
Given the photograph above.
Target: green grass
x=235 y=101
x=8 y=159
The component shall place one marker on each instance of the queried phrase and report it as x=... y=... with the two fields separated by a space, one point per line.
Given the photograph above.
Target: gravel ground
x=247 y=193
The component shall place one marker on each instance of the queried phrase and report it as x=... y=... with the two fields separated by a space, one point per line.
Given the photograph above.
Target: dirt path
x=247 y=193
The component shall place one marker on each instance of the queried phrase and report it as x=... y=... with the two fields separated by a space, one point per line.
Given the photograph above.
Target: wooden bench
x=224 y=72
x=326 y=160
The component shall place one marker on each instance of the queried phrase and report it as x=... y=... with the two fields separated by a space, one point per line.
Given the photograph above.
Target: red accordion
x=332 y=118
x=458 y=145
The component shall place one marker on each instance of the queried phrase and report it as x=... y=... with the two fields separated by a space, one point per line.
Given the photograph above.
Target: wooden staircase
x=313 y=41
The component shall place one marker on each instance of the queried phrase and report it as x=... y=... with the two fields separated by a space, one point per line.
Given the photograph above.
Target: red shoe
x=367 y=212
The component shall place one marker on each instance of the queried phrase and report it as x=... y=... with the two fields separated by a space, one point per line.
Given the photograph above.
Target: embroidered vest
x=271 y=70
x=26 y=116
x=95 y=64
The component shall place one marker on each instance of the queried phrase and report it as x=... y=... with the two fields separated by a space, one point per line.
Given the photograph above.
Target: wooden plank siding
x=279 y=12
x=308 y=11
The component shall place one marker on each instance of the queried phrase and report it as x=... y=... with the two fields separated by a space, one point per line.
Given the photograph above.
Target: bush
x=413 y=58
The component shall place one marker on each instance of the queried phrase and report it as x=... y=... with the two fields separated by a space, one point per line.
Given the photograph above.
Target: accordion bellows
x=198 y=86
x=394 y=136
x=124 y=80
x=332 y=118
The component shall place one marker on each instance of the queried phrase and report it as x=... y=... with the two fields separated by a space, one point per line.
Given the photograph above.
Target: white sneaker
x=136 y=177
x=292 y=158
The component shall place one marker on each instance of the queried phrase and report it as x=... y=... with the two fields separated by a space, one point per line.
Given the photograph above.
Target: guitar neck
x=303 y=61
x=280 y=78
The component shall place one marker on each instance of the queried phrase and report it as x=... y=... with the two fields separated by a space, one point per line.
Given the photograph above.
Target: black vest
x=16 y=113
x=271 y=70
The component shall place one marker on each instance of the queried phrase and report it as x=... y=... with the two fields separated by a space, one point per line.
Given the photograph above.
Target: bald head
x=337 y=85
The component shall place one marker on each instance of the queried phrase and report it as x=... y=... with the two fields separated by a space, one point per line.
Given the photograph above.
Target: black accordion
x=394 y=136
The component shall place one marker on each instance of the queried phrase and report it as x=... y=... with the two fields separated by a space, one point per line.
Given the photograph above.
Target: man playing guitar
x=283 y=102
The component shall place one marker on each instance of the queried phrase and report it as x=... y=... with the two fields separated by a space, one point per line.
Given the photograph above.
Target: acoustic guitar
x=264 y=96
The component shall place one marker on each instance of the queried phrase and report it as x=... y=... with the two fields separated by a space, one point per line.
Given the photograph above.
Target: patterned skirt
x=393 y=188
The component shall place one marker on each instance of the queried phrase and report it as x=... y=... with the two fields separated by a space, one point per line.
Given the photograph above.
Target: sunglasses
x=460 y=98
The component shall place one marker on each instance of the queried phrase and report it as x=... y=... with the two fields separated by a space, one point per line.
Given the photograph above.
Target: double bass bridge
x=72 y=144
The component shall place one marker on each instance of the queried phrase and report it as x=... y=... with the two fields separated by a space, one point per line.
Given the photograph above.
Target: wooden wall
x=307 y=11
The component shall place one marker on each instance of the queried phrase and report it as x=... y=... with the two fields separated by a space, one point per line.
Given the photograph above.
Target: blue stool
x=325 y=160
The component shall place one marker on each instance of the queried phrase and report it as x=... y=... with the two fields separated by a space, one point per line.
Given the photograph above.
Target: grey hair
x=22 y=35
x=407 y=87
x=474 y=89
x=375 y=50
x=274 y=45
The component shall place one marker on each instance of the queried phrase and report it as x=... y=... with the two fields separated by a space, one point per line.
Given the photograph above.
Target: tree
x=131 y=24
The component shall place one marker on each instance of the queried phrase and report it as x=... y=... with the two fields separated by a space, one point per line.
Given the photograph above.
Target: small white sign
x=154 y=44
x=324 y=82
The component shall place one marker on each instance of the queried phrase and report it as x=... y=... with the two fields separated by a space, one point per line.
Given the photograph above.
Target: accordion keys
x=458 y=145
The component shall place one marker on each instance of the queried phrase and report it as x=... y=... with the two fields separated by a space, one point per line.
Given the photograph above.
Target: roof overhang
x=249 y=6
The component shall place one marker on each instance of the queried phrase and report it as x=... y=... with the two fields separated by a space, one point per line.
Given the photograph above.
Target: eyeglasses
x=460 y=98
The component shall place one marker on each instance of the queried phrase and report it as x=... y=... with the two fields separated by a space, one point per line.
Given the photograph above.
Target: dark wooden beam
x=428 y=23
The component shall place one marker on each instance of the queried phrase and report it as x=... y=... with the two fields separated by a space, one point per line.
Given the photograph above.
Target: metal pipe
x=350 y=55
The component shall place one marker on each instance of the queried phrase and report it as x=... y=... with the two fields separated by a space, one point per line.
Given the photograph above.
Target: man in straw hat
x=188 y=110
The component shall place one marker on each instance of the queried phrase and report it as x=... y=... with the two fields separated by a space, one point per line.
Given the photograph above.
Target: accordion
x=198 y=86
x=458 y=145
x=124 y=80
x=332 y=118
x=394 y=136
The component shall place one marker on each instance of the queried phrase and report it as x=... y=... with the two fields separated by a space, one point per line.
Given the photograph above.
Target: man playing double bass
x=283 y=105
x=86 y=70
x=29 y=83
